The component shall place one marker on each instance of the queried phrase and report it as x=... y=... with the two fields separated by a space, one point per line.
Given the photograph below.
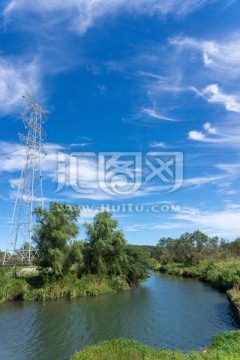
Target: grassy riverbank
x=47 y=287
x=225 y=346
x=221 y=274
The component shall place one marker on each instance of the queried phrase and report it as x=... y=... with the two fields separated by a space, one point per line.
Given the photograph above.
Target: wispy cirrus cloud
x=222 y=56
x=156 y=144
x=79 y=145
x=227 y=134
x=152 y=113
x=83 y=14
x=214 y=95
x=203 y=180
x=76 y=175
x=223 y=223
x=12 y=156
x=17 y=77
x=232 y=168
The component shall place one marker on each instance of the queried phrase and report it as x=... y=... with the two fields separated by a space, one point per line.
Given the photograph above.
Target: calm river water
x=165 y=311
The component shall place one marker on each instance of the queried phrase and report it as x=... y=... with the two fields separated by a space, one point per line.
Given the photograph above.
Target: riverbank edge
x=188 y=273
x=224 y=346
x=233 y=304
x=38 y=288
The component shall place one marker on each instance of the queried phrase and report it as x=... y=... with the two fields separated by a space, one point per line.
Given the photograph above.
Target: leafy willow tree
x=107 y=252
x=55 y=227
x=137 y=264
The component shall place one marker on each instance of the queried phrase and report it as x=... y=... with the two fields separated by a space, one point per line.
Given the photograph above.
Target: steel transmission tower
x=29 y=194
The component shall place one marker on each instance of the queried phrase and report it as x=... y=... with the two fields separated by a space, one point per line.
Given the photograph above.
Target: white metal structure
x=29 y=194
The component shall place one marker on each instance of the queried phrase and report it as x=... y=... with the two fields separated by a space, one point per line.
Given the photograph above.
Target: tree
x=166 y=250
x=137 y=265
x=189 y=249
x=74 y=257
x=105 y=251
x=55 y=227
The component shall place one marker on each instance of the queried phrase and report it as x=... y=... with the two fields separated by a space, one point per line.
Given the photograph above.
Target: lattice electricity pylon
x=29 y=194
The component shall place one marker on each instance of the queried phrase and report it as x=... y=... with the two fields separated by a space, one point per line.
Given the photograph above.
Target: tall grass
x=223 y=275
x=225 y=346
x=47 y=287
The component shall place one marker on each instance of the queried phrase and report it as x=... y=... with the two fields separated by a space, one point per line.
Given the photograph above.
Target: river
x=165 y=311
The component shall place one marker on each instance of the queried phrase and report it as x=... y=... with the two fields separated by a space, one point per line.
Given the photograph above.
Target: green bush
x=223 y=275
x=47 y=287
x=118 y=283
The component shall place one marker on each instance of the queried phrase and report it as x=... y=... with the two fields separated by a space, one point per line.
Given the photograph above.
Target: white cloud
x=12 y=156
x=208 y=127
x=136 y=227
x=196 y=135
x=17 y=77
x=14 y=183
x=214 y=95
x=232 y=169
x=221 y=223
x=233 y=206
x=155 y=144
x=83 y=14
x=181 y=8
x=197 y=181
x=79 y=145
x=221 y=56
x=78 y=180
x=200 y=136
x=227 y=135
x=154 y=114
x=87 y=214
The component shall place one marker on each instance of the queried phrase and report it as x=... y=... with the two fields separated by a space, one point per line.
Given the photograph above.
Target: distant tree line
x=192 y=248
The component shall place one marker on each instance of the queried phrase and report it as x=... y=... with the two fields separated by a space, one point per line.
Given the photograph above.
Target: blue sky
x=128 y=76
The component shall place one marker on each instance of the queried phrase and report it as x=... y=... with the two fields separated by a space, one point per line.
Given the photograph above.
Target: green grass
x=223 y=275
x=225 y=346
x=235 y=296
x=47 y=287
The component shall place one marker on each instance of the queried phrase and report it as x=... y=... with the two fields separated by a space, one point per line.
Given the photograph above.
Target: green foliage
x=223 y=275
x=74 y=259
x=107 y=252
x=235 y=295
x=189 y=249
x=119 y=283
x=225 y=346
x=136 y=266
x=53 y=231
x=56 y=260
x=103 y=264
x=47 y=287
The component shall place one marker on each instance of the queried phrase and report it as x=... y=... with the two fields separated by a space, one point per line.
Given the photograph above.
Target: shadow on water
x=166 y=311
